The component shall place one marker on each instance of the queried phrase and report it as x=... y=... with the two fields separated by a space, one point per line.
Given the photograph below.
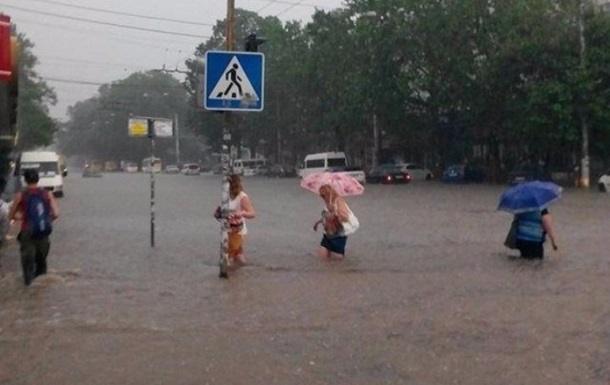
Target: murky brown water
x=427 y=295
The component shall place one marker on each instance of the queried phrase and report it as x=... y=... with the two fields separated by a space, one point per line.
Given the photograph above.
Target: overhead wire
x=93 y=63
x=266 y=5
x=301 y=3
x=114 y=83
x=120 y=13
x=102 y=22
x=288 y=9
x=110 y=36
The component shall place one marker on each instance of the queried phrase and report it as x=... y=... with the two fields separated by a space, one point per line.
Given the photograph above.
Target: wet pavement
x=427 y=294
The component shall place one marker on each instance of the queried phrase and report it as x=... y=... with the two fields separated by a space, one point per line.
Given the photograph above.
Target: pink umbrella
x=343 y=184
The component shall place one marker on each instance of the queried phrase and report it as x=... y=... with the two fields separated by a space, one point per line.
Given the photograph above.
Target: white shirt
x=235 y=205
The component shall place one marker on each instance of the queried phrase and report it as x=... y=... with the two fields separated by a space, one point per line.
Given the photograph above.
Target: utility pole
x=375 y=142
x=225 y=160
x=177 y=137
x=584 y=162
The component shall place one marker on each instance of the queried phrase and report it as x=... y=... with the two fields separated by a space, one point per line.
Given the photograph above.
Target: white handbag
x=351 y=225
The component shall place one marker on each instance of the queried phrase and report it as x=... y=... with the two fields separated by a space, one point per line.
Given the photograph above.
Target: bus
x=155 y=165
x=248 y=167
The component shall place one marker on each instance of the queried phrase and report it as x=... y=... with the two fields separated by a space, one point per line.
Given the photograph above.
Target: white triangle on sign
x=234 y=84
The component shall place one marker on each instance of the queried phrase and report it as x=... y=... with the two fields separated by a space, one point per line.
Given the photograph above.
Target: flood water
x=426 y=296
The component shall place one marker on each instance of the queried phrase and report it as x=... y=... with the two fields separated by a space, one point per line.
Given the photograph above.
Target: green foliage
x=489 y=81
x=98 y=127
x=35 y=128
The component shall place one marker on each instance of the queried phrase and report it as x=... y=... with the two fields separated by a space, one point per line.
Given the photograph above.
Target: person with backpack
x=37 y=209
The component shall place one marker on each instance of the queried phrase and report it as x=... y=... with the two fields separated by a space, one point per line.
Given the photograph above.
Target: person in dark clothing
x=34 y=249
x=532 y=229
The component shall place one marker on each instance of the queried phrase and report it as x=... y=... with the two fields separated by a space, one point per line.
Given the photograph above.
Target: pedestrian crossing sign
x=234 y=81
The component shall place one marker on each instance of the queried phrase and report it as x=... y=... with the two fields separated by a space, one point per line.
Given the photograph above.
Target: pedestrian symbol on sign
x=234 y=84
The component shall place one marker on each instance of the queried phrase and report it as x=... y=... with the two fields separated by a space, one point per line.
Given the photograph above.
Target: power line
x=81 y=82
x=112 y=83
x=289 y=8
x=107 y=35
x=91 y=62
x=266 y=5
x=121 y=13
x=299 y=3
x=104 y=22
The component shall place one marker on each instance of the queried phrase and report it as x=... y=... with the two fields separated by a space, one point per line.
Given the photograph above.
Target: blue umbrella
x=529 y=196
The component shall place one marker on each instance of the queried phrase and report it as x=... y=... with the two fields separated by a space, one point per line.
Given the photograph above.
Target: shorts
x=236 y=241
x=530 y=250
x=334 y=244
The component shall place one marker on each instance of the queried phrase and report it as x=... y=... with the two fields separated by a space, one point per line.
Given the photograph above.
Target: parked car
x=388 y=174
x=130 y=167
x=353 y=171
x=416 y=171
x=281 y=171
x=463 y=173
x=527 y=172
x=191 y=169
x=603 y=184
x=261 y=170
x=172 y=169
x=91 y=172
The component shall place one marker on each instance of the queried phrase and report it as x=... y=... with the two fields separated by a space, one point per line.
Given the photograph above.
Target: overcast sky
x=84 y=43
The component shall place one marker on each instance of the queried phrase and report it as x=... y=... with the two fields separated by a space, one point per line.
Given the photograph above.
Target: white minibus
x=50 y=167
x=321 y=162
x=247 y=167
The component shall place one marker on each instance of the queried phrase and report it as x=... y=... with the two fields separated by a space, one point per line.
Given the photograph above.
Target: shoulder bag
x=511 y=237
x=351 y=225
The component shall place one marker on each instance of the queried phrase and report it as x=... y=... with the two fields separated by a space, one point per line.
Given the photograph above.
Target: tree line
x=496 y=83
x=492 y=82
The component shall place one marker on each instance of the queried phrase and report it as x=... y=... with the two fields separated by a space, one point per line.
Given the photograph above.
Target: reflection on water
x=426 y=295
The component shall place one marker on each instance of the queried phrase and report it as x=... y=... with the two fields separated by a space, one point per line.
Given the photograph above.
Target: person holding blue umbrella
x=528 y=202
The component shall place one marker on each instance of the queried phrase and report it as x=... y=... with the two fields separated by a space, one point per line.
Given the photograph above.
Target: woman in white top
x=241 y=208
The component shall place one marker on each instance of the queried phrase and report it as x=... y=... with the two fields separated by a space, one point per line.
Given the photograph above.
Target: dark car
x=281 y=171
x=388 y=174
x=527 y=172
x=463 y=173
x=353 y=171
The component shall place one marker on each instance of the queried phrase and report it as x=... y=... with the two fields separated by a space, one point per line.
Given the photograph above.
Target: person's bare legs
x=323 y=253
x=236 y=248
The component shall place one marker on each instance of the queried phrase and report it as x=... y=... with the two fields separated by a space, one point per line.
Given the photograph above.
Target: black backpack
x=37 y=211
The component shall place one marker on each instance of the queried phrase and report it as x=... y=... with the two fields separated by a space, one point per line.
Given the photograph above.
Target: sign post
x=151 y=128
x=233 y=82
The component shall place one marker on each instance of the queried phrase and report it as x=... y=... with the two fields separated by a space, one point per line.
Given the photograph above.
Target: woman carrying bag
x=338 y=222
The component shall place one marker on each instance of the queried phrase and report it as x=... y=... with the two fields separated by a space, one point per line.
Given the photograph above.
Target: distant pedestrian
x=36 y=208
x=240 y=208
x=532 y=229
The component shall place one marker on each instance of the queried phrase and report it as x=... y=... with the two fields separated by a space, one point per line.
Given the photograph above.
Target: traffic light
x=252 y=42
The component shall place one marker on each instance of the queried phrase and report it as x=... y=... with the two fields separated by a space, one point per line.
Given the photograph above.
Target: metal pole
x=225 y=159
x=375 y=142
x=584 y=162
x=151 y=135
x=177 y=133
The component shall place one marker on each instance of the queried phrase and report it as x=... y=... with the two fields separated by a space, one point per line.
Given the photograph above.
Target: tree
x=97 y=127
x=35 y=127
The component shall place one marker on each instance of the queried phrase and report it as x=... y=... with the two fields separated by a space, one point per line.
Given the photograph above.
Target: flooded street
x=426 y=296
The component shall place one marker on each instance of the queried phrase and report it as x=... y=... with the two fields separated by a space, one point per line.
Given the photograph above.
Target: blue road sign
x=234 y=81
